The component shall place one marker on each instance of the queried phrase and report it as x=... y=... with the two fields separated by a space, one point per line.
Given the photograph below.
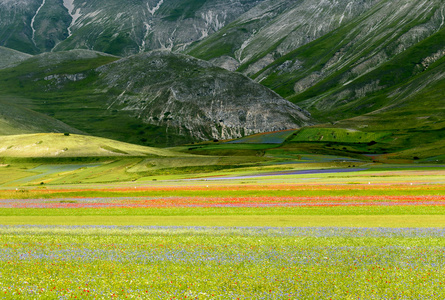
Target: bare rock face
x=195 y=98
x=226 y=62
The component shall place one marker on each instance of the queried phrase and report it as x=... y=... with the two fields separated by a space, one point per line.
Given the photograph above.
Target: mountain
x=154 y=98
x=273 y=29
x=368 y=65
x=195 y=98
x=387 y=45
x=328 y=47
x=113 y=26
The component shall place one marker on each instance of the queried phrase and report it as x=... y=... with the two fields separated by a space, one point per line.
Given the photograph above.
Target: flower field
x=271 y=201
x=212 y=261
x=97 y=262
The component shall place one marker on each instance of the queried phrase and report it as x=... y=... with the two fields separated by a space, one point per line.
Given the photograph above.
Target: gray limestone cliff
x=195 y=98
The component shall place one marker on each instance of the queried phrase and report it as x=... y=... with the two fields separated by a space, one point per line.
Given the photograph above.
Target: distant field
x=315 y=134
x=266 y=138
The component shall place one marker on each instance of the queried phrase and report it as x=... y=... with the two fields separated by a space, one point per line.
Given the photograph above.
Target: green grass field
x=220 y=220
x=336 y=135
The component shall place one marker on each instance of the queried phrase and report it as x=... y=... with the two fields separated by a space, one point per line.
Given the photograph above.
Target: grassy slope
x=265 y=138
x=9 y=57
x=317 y=54
x=78 y=103
x=411 y=110
x=16 y=119
x=60 y=145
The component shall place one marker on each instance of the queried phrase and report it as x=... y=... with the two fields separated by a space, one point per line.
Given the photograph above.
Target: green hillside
x=71 y=145
x=368 y=74
x=16 y=119
x=10 y=58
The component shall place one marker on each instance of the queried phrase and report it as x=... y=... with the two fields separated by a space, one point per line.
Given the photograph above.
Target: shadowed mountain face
x=152 y=98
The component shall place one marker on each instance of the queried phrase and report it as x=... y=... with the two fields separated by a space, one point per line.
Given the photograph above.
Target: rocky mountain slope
x=156 y=98
x=195 y=98
x=113 y=26
x=387 y=45
x=275 y=28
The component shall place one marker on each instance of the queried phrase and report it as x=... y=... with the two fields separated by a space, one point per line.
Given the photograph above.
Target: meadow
x=177 y=225
x=100 y=262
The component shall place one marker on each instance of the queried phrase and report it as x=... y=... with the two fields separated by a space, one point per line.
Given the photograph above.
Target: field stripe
x=404 y=221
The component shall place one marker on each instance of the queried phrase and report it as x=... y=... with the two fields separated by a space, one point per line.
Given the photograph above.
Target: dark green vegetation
x=185 y=9
x=310 y=144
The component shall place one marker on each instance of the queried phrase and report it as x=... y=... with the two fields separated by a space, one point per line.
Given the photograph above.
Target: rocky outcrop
x=341 y=70
x=195 y=98
x=153 y=98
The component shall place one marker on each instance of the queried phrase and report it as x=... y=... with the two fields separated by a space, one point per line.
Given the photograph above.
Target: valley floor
x=365 y=232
